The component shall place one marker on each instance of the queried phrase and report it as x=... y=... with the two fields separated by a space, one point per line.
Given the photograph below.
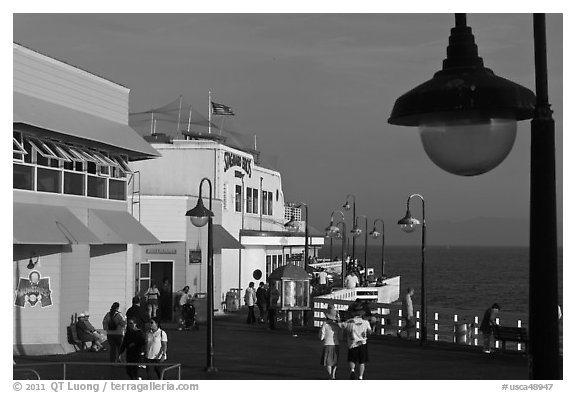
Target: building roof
x=49 y=116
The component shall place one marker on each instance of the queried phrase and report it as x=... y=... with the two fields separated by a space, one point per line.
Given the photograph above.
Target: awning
x=223 y=239
x=57 y=118
x=118 y=227
x=40 y=224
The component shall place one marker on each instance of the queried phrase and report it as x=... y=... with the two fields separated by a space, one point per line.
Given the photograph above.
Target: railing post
x=454 y=332
x=418 y=325
x=436 y=326
x=497 y=343
x=476 y=330
x=519 y=345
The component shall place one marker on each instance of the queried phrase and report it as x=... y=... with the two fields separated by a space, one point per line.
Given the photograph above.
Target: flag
x=223 y=110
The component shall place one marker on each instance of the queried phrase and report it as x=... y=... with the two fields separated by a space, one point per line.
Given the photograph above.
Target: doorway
x=161 y=273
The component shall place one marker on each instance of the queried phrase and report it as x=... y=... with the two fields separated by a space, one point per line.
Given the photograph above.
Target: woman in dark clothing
x=134 y=345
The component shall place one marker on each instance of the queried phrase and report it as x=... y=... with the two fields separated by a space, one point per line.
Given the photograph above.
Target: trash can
x=461 y=333
x=232 y=301
x=200 y=304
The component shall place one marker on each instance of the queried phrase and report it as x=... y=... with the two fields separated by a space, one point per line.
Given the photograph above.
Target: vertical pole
x=209 y=112
x=366 y=252
x=543 y=283
x=210 y=298
x=261 y=196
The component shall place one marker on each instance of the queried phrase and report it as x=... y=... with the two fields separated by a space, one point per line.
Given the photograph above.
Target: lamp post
x=467 y=91
x=408 y=225
x=241 y=176
x=347 y=206
x=333 y=230
x=356 y=231
x=292 y=224
x=375 y=234
x=199 y=216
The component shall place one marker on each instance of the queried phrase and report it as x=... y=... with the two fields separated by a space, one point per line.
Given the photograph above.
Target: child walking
x=330 y=334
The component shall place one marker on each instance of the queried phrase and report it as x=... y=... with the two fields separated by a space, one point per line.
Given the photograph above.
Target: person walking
x=152 y=298
x=183 y=299
x=134 y=345
x=330 y=334
x=115 y=324
x=137 y=313
x=261 y=302
x=351 y=280
x=165 y=302
x=487 y=325
x=356 y=330
x=407 y=314
x=156 y=348
x=272 y=297
x=250 y=301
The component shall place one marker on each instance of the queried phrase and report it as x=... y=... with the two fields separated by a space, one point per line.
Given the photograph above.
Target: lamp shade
x=466 y=113
x=408 y=223
x=375 y=234
x=199 y=215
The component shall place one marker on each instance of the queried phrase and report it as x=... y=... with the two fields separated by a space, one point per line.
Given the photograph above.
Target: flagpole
x=179 y=110
x=189 y=118
x=209 y=112
x=152 y=125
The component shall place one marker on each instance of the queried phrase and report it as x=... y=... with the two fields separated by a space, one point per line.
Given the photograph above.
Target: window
x=96 y=187
x=18 y=147
x=267 y=203
x=73 y=183
x=238 y=198
x=23 y=177
x=49 y=180
x=52 y=166
x=117 y=190
x=251 y=200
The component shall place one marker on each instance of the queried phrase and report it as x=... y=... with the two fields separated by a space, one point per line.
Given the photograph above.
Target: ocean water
x=459 y=280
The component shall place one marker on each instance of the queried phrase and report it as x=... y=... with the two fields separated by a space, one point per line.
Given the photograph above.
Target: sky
x=317 y=90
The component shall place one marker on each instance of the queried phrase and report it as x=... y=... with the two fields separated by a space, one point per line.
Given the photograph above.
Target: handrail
x=66 y=364
x=31 y=370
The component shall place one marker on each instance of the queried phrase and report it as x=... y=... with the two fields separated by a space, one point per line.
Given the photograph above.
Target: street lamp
x=375 y=234
x=241 y=176
x=356 y=231
x=459 y=92
x=292 y=224
x=199 y=216
x=408 y=225
x=333 y=231
x=346 y=206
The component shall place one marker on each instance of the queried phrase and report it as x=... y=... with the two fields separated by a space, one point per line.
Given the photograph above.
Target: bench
x=508 y=333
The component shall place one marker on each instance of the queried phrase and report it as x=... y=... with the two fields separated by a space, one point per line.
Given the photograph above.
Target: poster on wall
x=32 y=290
x=195 y=256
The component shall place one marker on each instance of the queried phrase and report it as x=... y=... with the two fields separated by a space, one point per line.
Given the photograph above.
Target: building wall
x=55 y=81
x=107 y=284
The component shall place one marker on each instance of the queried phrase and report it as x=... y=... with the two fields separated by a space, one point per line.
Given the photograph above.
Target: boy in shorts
x=356 y=330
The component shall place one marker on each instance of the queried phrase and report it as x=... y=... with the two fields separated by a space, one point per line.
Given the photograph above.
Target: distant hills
x=474 y=232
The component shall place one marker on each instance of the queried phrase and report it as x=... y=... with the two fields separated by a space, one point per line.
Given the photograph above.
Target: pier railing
x=443 y=325
x=87 y=370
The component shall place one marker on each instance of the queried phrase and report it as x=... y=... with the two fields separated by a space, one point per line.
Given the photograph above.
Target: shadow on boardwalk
x=252 y=352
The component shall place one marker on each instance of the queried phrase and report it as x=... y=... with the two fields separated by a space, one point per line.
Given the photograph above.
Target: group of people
x=487 y=326
x=159 y=300
x=354 y=331
x=137 y=335
x=266 y=299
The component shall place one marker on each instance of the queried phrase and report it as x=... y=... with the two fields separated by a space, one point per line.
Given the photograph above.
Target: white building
x=73 y=234
x=248 y=204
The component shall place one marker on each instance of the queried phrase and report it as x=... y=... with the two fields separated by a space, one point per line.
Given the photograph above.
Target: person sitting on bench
x=87 y=332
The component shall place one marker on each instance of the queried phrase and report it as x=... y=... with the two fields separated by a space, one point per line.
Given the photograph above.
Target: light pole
x=292 y=224
x=199 y=216
x=408 y=225
x=356 y=231
x=375 y=234
x=346 y=206
x=241 y=176
x=466 y=91
x=333 y=230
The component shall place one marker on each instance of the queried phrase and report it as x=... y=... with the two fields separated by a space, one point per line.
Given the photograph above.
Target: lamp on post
x=240 y=175
x=292 y=224
x=375 y=234
x=465 y=92
x=347 y=206
x=408 y=225
x=199 y=216
x=333 y=231
x=356 y=231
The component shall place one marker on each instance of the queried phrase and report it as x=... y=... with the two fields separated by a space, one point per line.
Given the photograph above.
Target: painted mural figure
x=32 y=290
